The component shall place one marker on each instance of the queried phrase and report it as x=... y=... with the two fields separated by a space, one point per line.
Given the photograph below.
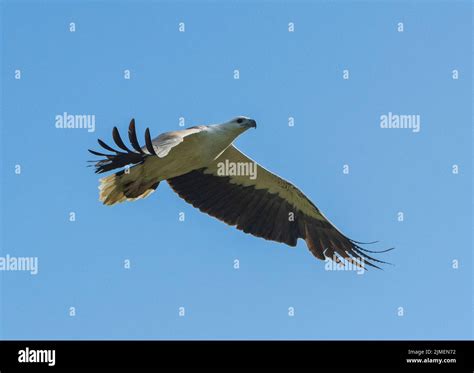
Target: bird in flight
x=194 y=162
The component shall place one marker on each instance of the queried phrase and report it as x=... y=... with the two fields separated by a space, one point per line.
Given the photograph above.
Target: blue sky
x=190 y=264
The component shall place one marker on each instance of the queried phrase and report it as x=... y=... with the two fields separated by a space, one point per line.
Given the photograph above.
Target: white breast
x=195 y=152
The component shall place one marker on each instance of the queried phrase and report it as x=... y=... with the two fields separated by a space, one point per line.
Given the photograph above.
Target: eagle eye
x=240 y=120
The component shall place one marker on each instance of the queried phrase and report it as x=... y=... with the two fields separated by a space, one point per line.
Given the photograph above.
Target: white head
x=227 y=132
x=238 y=125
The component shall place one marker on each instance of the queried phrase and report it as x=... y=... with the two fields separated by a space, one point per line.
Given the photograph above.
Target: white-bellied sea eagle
x=191 y=161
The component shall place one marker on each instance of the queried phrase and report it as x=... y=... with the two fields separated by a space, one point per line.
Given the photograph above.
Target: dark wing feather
x=263 y=210
x=132 y=135
x=120 y=159
x=107 y=147
x=97 y=153
x=149 y=145
x=118 y=140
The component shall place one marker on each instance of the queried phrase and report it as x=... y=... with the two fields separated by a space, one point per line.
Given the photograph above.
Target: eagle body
x=265 y=206
x=174 y=157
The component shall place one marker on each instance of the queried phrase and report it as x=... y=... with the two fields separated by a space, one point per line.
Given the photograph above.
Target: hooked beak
x=252 y=123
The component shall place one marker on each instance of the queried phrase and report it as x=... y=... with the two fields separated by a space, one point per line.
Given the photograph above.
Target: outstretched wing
x=266 y=206
x=159 y=147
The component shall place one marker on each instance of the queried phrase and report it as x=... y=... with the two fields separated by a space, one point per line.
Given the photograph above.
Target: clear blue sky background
x=282 y=74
